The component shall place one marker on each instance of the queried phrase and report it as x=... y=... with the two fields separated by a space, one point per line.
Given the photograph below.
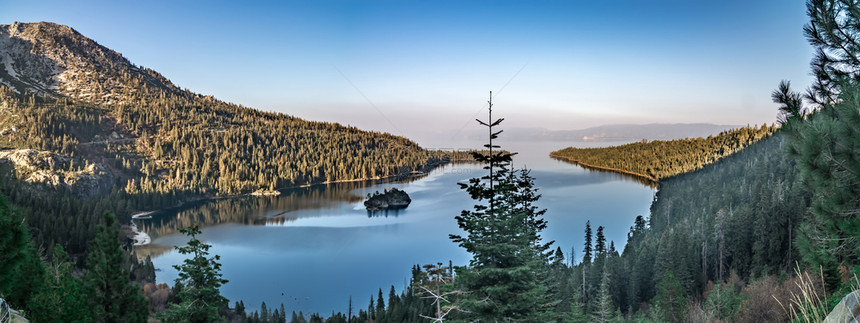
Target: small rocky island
x=390 y=199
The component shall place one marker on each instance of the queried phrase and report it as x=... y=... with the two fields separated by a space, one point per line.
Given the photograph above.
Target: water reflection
x=618 y=176
x=383 y=213
x=263 y=210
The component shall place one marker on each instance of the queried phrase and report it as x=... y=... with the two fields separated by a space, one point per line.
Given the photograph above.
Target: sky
x=424 y=69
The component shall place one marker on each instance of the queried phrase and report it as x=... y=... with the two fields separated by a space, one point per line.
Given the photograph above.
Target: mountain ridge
x=53 y=59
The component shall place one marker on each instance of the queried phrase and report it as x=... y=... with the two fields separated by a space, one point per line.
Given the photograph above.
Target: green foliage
x=834 y=34
x=110 y=295
x=827 y=148
x=20 y=268
x=670 y=299
x=410 y=306
x=825 y=143
x=577 y=309
x=435 y=283
x=656 y=160
x=741 y=213
x=201 y=279
x=587 y=250
x=507 y=276
x=62 y=297
x=723 y=300
x=605 y=310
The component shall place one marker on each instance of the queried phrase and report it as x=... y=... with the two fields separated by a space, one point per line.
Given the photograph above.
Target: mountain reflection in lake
x=318 y=245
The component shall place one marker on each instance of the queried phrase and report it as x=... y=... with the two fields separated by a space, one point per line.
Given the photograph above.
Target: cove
x=313 y=248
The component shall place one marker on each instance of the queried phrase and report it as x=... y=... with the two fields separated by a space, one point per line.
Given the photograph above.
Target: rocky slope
x=52 y=59
x=57 y=172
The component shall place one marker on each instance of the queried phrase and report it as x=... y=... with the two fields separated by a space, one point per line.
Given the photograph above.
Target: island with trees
x=389 y=199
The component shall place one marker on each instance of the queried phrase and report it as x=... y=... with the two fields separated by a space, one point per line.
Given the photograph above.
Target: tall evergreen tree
x=201 y=278
x=600 y=244
x=577 y=309
x=61 y=298
x=587 y=251
x=605 y=307
x=825 y=143
x=18 y=277
x=670 y=299
x=112 y=297
x=507 y=275
x=380 y=307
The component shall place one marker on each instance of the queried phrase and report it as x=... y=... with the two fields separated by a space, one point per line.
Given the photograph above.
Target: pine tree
x=111 y=296
x=61 y=298
x=586 y=256
x=605 y=310
x=600 y=245
x=436 y=283
x=577 y=309
x=560 y=274
x=834 y=33
x=201 y=278
x=507 y=275
x=670 y=299
x=20 y=267
x=380 y=307
x=824 y=143
x=240 y=310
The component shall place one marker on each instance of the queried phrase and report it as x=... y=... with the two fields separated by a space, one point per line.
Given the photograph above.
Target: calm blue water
x=313 y=248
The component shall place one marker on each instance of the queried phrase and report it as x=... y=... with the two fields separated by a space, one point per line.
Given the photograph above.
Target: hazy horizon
x=418 y=68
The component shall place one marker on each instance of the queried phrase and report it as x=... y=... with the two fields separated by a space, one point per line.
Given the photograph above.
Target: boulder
x=847 y=311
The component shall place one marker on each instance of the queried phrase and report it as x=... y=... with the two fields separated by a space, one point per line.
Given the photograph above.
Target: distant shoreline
x=650 y=179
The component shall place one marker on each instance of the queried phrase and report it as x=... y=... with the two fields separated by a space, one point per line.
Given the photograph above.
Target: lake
x=313 y=248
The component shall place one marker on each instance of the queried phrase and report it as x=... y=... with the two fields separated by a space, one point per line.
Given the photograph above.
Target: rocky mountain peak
x=53 y=59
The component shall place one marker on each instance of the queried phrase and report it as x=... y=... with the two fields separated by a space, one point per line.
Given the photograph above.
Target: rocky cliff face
x=48 y=58
x=59 y=172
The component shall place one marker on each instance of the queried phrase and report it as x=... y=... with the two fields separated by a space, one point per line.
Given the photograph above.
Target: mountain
x=620 y=132
x=52 y=59
x=77 y=115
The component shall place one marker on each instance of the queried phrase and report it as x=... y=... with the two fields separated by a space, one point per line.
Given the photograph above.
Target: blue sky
x=423 y=69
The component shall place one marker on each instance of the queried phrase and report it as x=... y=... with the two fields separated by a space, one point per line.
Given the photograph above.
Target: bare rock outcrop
x=847 y=311
x=58 y=172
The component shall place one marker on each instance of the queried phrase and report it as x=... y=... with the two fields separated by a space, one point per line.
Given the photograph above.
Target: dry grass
x=805 y=300
x=762 y=302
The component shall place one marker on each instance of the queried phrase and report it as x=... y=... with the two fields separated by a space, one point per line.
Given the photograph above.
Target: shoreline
x=141 y=238
x=608 y=169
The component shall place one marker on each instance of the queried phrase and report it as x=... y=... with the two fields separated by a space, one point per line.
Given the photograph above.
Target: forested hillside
x=86 y=110
x=658 y=159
